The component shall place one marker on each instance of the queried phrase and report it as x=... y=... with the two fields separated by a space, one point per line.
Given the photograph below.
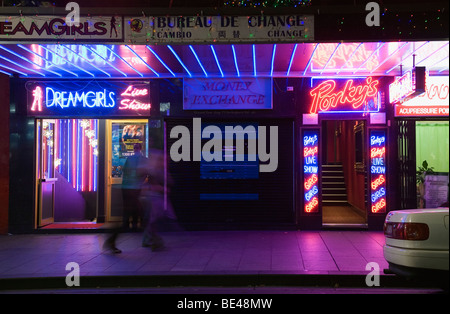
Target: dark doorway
x=343 y=173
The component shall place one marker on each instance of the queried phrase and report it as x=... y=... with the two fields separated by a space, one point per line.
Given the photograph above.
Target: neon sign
x=334 y=96
x=402 y=87
x=433 y=102
x=353 y=56
x=68 y=55
x=132 y=100
x=408 y=86
x=37 y=99
x=378 y=171
x=88 y=99
x=311 y=170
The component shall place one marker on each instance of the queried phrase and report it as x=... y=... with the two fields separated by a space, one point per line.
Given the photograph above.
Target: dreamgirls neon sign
x=311 y=170
x=88 y=99
x=378 y=171
x=344 y=96
x=85 y=99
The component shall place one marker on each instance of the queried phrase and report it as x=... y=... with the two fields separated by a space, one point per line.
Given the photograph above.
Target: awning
x=349 y=59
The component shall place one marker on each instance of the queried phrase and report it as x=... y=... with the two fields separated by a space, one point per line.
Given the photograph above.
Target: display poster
x=124 y=136
x=436 y=190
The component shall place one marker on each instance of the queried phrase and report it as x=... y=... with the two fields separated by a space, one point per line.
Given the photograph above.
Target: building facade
x=293 y=121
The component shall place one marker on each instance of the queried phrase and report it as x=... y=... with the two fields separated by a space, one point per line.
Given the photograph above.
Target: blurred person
x=135 y=171
x=153 y=197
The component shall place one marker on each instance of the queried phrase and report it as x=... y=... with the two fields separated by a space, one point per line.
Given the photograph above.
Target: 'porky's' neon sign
x=50 y=99
x=352 y=97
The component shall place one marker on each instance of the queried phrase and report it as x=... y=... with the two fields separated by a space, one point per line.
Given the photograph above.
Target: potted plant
x=421 y=173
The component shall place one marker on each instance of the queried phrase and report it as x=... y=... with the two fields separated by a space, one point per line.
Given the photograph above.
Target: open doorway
x=67 y=173
x=69 y=180
x=343 y=173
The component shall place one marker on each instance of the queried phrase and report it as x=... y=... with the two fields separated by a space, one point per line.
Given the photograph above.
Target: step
x=332 y=173
x=334 y=194
x=334 y=185
x=332 y=169
x=333 y=179
x=334 y=197
x=334 y=202
x=334 y=188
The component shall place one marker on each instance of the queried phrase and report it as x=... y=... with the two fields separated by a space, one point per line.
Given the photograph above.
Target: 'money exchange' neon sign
x=66 y=99
x=344 y=96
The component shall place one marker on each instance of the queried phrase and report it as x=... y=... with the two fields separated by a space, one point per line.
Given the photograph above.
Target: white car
x=417 y=242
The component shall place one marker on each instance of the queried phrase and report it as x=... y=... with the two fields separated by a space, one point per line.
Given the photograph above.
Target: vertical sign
x=311 y=170
x=378 y=171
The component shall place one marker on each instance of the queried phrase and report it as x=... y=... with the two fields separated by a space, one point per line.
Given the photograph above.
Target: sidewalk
x=194 y=253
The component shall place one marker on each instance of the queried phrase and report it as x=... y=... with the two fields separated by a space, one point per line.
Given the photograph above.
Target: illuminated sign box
x=53 y=28
x=81 y=98
x=219 y=29
x=358 y=95
x=378 y=171
x=408 y=86
x=227 y=94
x=311 y=170
x=433 y=102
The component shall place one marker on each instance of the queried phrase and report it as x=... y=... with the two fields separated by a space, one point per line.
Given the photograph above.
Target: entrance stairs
x=334 y=192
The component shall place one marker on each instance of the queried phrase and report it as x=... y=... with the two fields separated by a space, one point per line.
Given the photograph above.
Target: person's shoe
x=158 y=244
x=146 y=241
x=115 y=250
x=157 y=247
x=111 y=247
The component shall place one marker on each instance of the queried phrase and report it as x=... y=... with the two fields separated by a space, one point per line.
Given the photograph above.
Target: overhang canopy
x=87 y=61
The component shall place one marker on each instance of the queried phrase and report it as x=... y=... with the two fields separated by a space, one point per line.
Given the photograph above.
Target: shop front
x=249 y=162
x=422 y=130
x=248 y=152
x=344 y=153
x=231 y=154
x=82 y=134
x=265 y=121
